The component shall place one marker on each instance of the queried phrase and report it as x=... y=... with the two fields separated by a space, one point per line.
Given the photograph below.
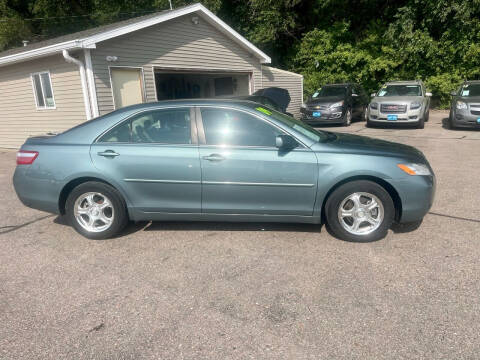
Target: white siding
x=176 y=44
x=19 y=117
x=287 y=80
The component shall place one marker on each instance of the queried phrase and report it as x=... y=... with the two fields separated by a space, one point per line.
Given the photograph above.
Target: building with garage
x=55 y=84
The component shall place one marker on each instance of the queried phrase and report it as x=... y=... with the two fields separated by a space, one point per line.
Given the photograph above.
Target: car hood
x=396 y=99
x=470 y=99
x=356 y=144
x=326 y=100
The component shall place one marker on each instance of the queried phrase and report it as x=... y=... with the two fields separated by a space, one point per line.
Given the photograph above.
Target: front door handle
x=214 y=157
x=108 y=153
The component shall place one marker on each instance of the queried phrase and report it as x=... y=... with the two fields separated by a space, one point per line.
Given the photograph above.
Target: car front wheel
x=96 y=210
x=360 y=211
x=348 y=117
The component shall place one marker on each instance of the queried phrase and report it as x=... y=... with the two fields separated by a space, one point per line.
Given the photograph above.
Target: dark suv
x=465 y=106
x=336 y=104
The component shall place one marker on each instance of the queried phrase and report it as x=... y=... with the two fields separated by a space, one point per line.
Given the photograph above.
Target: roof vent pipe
x=83 y=80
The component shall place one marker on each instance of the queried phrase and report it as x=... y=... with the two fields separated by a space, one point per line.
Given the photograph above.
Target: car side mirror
x=285 y=142
x=428 y=94
x=373 y=94
x=354 y=95
x=453 y=93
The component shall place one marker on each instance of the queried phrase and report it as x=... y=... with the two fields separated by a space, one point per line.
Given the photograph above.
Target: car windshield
x=330 y=91
x=293 y=123
x=470 y=90
x=400 y=90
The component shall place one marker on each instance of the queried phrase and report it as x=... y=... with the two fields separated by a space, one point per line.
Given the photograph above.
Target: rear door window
x=163 y=126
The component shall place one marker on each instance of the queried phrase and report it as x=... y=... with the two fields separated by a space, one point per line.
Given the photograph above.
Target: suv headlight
x=461 y=105
x=415 y=105
x=374 y=105
x=415 y=169
x=337 y=104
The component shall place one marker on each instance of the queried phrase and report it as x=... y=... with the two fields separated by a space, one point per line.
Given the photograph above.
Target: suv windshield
x=400 y=90
x=469 y=90
x=330 y=91
x=293 y=123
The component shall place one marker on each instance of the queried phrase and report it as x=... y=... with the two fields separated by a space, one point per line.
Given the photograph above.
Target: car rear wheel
x=96 y=210
x=360 y=211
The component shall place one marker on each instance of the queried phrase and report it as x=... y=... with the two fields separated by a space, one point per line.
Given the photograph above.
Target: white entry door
x=127 y=86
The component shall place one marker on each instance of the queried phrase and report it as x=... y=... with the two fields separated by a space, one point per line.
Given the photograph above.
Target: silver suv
x=405 y=102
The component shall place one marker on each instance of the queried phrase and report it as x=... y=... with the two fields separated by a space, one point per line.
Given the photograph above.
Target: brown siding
x=287 y=80
x=19 y=117
x=176 y=44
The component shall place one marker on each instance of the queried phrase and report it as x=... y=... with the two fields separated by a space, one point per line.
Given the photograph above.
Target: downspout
x=83 y=80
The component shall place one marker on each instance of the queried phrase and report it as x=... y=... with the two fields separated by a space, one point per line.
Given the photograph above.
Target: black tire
x=370 y=124
x=335 y=200
x=421 y=123
x=365 y=114
x=119 y=212
x=451 y=124
x=348 y=115
x=427 y=116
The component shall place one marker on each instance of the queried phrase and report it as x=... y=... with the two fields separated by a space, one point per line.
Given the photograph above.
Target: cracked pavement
x=260 y=291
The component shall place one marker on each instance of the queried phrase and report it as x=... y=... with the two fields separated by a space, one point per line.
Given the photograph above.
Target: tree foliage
x=369 y=41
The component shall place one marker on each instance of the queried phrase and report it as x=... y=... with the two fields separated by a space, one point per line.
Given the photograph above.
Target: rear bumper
x=417 y=195
x=36 y=193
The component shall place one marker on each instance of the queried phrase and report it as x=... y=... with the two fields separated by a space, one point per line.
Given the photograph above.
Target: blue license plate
x=316 y=114
x=478 y=120
x=392 y=117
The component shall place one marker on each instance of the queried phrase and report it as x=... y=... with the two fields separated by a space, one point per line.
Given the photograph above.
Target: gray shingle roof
x=80 y=34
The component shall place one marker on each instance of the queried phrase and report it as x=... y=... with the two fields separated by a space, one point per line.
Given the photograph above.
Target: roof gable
x=88 y=39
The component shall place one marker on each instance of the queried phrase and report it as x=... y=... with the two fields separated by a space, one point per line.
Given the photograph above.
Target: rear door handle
x=214 y=157
x=108 y=153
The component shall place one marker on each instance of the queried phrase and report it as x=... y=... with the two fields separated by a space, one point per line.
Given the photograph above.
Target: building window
x=42 y=88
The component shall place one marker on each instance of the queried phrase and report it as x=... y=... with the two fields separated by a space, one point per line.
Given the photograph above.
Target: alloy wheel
x=94 y=212
x=361 y=213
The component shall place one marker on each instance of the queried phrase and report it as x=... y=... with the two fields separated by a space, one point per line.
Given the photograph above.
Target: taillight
x=25 y=157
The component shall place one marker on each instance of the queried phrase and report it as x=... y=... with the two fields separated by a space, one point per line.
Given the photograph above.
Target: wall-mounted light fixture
x=112 y=58
x=195 y=20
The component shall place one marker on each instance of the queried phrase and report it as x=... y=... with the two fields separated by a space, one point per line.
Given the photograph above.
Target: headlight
x=337 y=104
x=461 y=105
x=374 y=105
x=415 y=169
x=415 y=105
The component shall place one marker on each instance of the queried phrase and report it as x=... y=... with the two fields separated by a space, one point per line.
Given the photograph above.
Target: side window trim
x=193 y=129
x=201 y=130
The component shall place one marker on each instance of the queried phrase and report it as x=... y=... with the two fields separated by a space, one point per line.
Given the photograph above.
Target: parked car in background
x=221 y=160
x=274 y=97
x=396 y=102
x=335 y=104
x=465 y=106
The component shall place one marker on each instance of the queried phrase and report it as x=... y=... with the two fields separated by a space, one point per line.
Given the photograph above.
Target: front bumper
x=410 y=116
x=417 y=194
x=327 y=116
x=464 y=118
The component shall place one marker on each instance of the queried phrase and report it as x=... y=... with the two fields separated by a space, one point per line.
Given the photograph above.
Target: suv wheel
x=96 y=210
x=348 y=117
x=360 y=211
x=427 y=116
x=421 y=123
x=365 y=113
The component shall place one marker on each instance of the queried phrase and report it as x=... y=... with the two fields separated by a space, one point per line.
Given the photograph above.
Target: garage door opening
x=184 y=85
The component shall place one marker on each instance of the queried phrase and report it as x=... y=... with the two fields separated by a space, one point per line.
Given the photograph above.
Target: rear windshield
x=469 y=90
x=330 y=91
x=400 y=90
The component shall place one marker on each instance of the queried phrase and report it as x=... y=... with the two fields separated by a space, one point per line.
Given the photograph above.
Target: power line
x=75 y=16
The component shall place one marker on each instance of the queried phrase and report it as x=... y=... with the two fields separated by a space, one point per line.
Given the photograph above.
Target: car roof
x=472 y=82
x=404 y=82
x=340 y=84
x=190 y=102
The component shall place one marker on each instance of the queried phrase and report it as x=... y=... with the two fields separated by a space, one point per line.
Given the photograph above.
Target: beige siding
x=287 y=80
x=19 y=117
x=176 y=44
